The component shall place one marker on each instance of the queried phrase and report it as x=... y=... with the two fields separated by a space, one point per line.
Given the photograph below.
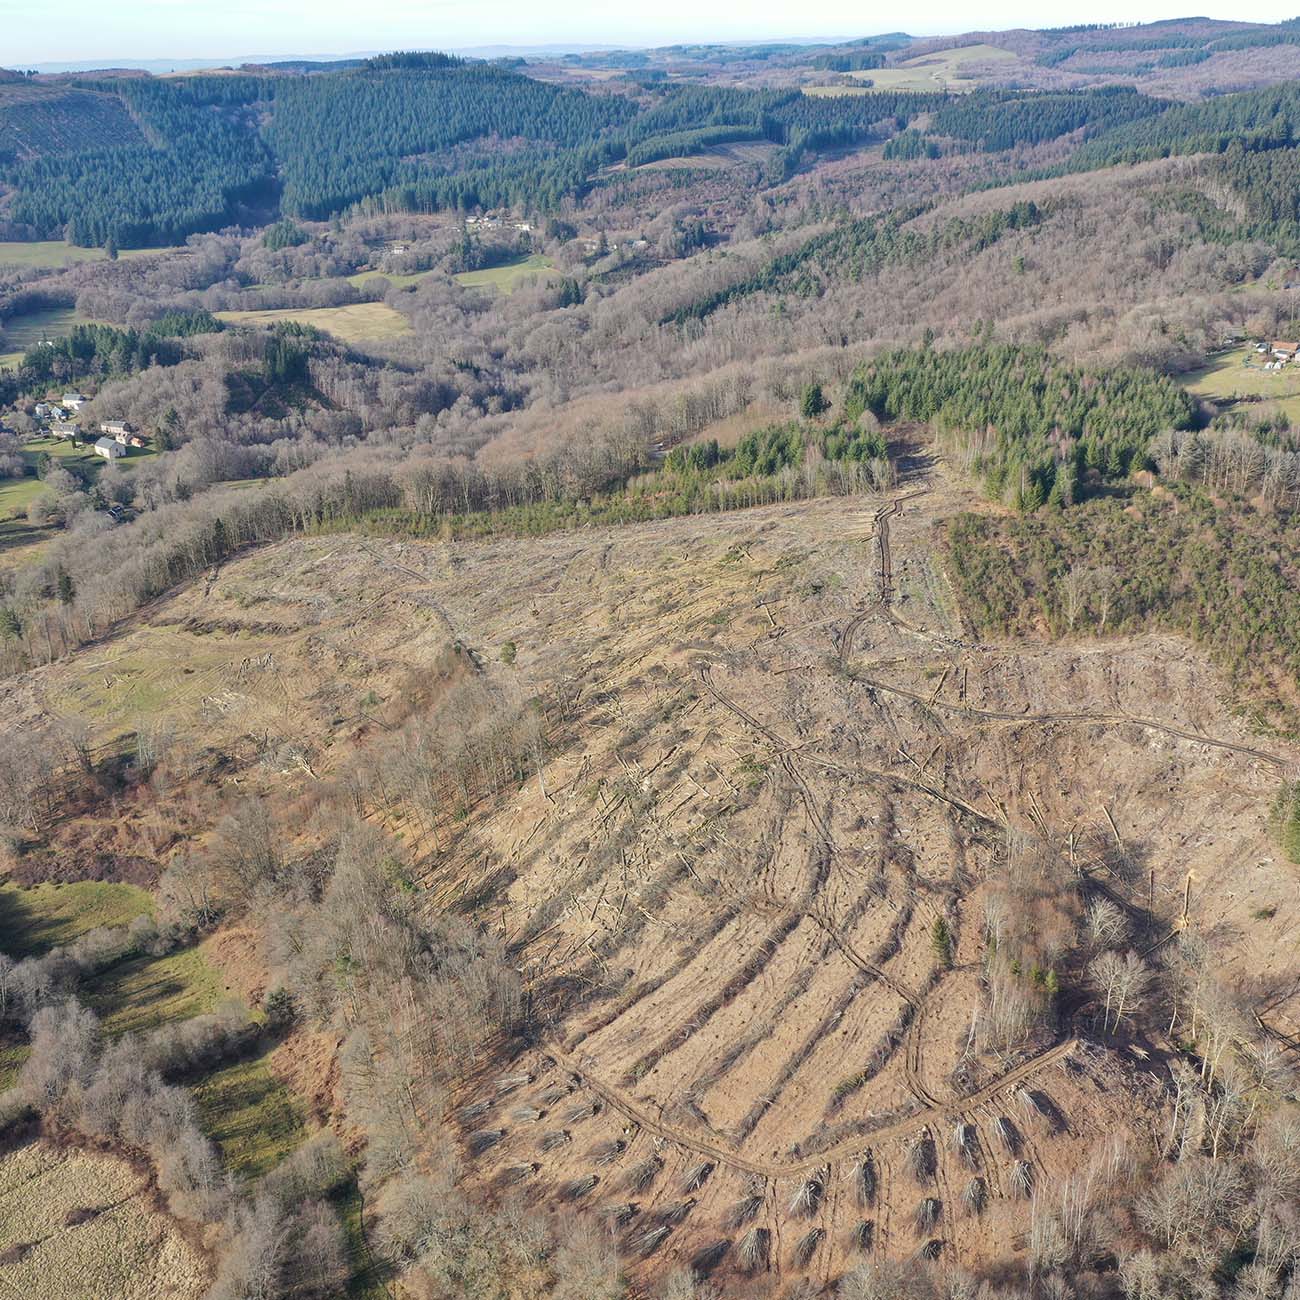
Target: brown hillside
x=780 y=766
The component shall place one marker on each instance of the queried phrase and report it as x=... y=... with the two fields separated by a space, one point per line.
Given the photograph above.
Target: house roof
x=1279 y=345
x=104 y=444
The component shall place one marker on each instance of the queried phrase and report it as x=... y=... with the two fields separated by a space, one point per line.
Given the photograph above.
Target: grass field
x=1240 y=373
x=12 y=1056
x=365 y=322
x=16 y=494
x=40 y=917
x=250 y=1115
x=22 y=331
x=21 y=541
x=941 y=71
x=397 y=281
x=146 y=992
x=51 y=254
x=506 y=276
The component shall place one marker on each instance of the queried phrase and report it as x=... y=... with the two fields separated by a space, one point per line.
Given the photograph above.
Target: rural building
x=109 y=449
x=47 y=411
x=135 y=440
x=74 y=401
x=1284 y=351
x=64 y=429
x=115 y=429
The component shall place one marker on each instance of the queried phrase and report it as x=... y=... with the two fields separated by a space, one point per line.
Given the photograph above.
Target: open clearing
x=945 y=70
x=741 y=154
x=361 y=323
x=140 y=994
x=80 y=1226
x=50 y=254
x=36 y=918
x=397 y=281
x=765 y=679
x=1237 y=378
x=507 y=276
x=250 y=1115
x=20 y=332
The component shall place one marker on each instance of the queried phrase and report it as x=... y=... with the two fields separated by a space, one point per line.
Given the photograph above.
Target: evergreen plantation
x=1031 y=427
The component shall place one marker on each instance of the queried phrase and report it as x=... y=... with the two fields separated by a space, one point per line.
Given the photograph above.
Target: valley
x=654 y=674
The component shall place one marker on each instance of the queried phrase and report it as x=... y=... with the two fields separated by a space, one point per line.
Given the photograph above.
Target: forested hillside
x=416 y=134
x=140 y=162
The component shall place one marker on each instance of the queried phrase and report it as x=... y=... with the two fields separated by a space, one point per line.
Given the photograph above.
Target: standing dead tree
x=1122 y=982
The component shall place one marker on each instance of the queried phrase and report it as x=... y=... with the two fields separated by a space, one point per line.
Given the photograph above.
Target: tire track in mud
x=880 y=521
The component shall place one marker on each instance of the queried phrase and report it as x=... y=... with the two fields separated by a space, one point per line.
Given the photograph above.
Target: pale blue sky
x=44 y=31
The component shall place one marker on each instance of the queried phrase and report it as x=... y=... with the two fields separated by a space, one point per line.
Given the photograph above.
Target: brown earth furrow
x=641 y=1115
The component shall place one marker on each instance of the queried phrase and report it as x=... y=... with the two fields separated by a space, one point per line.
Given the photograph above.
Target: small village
x=58 y=431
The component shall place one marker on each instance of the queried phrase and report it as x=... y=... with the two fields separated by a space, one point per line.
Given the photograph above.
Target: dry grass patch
x=78 y=1226
x=362 y=322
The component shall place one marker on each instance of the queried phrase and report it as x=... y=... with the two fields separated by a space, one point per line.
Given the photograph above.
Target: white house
x=64 y=429
x=115 y=429
x=109 y=449
x=74 y=401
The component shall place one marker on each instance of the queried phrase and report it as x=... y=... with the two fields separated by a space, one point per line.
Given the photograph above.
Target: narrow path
x=1082 y=717
x=640 y=1114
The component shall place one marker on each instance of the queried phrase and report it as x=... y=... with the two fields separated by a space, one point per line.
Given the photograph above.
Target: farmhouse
x=118 y=429
x=64 y=429
x=109 y=449
x=47 y=411
x=74 y=401
x=1284 y=351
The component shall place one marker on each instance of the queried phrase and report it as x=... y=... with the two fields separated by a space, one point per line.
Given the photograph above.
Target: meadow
x=358 y=324
x=53 y=254
x=36 y=918
x=1237 y=378
x=940 y=71
x=506 y=277
x=363 y=278
x=23 y=331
